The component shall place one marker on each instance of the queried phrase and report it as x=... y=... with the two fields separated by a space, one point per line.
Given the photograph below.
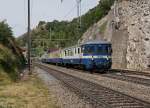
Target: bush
x=8 y=62
x=11 y=58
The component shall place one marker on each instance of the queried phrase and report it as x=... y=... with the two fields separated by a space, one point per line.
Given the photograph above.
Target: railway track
x=98 y=96
x=123 y=75
x=130 y=72
x=126 y=77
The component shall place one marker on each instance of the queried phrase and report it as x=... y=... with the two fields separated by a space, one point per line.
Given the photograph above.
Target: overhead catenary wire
x=70 y=11
x=78 y=5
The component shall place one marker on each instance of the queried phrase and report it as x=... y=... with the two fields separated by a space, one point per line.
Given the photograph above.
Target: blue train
x=90 y=55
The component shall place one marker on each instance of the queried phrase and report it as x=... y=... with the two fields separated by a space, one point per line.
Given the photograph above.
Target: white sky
x=15 y=12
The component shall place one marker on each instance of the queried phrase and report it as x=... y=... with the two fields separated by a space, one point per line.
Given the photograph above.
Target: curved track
x=130 y=72
x=126 y=75
x=98 y=96
x=123 y=75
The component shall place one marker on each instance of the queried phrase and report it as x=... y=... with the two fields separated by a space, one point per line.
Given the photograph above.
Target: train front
x=98 y=55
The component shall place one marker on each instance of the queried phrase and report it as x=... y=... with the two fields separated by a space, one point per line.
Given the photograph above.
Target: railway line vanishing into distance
x=123 y=75
x=95 y=94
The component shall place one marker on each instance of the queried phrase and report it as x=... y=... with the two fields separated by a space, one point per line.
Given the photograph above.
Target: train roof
x=88 y=43
x=96 y=42
x=71 y=47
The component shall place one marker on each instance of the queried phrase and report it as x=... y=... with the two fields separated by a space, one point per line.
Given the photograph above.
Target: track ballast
x=97 y=95
x=124 y=76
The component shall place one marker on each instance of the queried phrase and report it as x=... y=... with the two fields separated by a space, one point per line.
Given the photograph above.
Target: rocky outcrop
x=135 y=16
x=127 y=26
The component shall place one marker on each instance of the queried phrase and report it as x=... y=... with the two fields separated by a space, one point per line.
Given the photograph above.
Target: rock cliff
x=127 y=27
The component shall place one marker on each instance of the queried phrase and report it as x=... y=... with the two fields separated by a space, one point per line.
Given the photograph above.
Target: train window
x=103 y=49
x=78 y=50
x=82 y=49
x=65 y=53
x=68 y=52
x=89 y=49
x=75 y=50
x=72 y=52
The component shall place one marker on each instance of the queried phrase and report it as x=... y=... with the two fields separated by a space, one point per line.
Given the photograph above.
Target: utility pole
x=50 y=33
x=79 y=11
x=29 y=39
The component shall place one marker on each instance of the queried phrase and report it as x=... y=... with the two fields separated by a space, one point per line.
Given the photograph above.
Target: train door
x=80 y=54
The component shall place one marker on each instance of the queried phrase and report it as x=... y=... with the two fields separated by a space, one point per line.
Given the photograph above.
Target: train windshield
x=89 y=49
x=97 y=49
x=103 y=49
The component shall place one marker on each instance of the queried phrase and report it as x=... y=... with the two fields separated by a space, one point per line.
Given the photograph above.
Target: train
x=89 y=55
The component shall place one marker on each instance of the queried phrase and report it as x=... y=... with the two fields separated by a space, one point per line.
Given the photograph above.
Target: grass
x=103 y=27
x=31 y=93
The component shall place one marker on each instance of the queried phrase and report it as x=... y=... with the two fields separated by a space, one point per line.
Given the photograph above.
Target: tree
x=69 y=30
x=11 y=57
x=5 y=33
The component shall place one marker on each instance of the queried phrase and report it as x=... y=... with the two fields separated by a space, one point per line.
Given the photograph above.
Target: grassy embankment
x=21 y=94
x=31 y=93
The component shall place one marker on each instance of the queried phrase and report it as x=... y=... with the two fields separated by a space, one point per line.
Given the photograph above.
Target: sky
x=15 y=12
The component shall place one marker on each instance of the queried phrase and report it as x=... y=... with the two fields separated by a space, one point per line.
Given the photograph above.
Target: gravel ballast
x=135 y=90
x=64 y=97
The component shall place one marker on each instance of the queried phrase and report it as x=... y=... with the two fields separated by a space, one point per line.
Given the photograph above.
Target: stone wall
x=135 y=16
x=127 y=26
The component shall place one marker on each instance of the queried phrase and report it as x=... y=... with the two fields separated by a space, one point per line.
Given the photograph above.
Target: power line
x=70 y=11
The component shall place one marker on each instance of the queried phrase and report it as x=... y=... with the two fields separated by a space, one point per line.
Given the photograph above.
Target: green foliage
x=8 y=62
x=65 y=33
x=103 y=27
x=11 y=58
x=5 y=34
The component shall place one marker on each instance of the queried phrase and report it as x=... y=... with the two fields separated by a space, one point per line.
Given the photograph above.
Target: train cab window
x=81 y=50
x=104 y=49
x=89 y=49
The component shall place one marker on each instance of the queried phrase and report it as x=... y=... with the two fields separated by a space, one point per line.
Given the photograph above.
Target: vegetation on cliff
x=65 y=33
x=11 y=58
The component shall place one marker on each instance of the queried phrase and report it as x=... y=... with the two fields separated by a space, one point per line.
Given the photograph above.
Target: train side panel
x=54 y=57
x=93 y=55
x=72 y=56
